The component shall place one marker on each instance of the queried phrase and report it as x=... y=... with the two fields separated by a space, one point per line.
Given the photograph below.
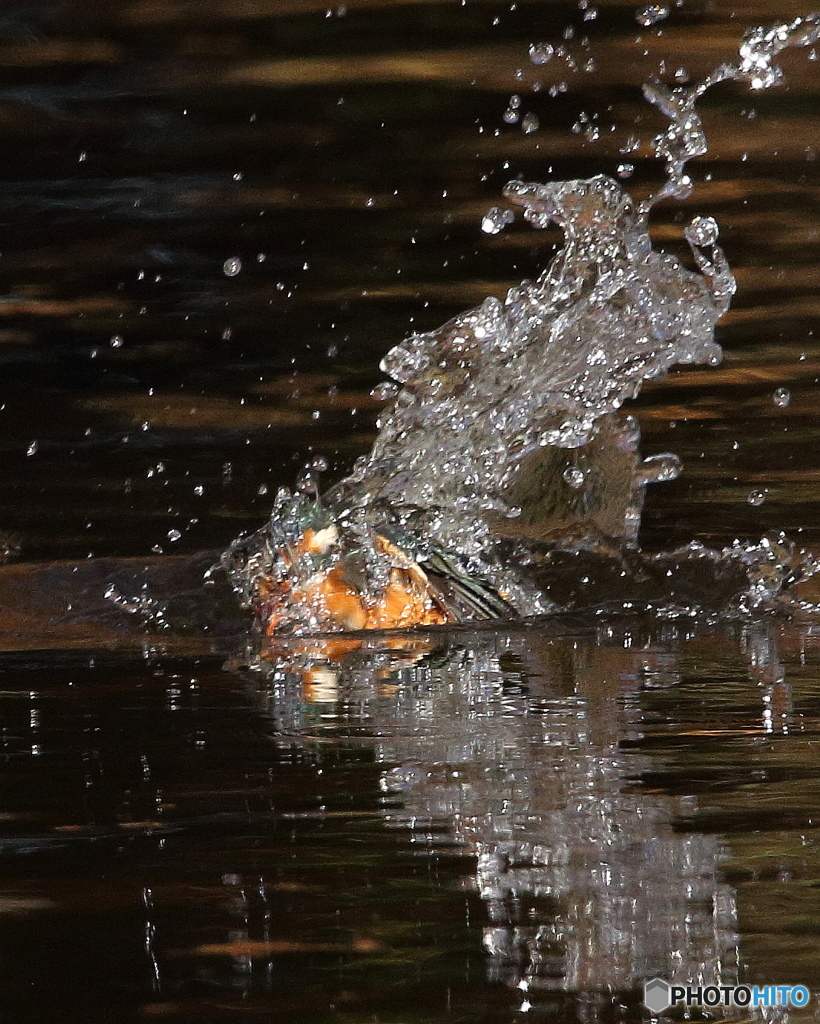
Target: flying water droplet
x=782 y=397
x=530 y=123
x=496 y=220
x=232 y=266
x=702 y=231
x=756 y=498
x=660 y=469
x=651 y=14
x=541 y=53
x=574 y=477
x=117 y=341
x=307 y=482
x=632 y=143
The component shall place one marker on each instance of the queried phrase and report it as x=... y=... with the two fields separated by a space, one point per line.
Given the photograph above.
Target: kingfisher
x=311 y=571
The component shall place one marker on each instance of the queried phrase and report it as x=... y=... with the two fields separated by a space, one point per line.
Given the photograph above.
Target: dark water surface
x=458 y=827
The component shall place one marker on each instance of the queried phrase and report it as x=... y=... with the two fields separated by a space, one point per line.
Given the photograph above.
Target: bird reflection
x=523 y=750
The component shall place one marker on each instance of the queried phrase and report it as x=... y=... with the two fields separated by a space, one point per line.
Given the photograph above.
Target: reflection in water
x=520 y=818
x=516 y=748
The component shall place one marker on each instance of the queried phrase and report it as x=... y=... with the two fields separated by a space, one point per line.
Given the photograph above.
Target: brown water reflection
x=442 y=828
x=458 y=826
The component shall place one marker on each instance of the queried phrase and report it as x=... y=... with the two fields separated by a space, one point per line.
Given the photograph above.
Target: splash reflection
x=524 y=750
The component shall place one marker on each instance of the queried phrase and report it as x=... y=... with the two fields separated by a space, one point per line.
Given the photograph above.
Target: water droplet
x=626 y=170
x=661 y=469
x=496 y=220
x=541 y=53
x=530 y=123
x=307 y=482
x=702 y=231
x=174 y=535
x=238 y=176
x=756 y=498
x=631 y=144
x=32 y=448
x=574 y=477
x=232 y=266
x=511 y=116
x=651 y=14
x=117 y=341
x=319 y=463
x=782 y=397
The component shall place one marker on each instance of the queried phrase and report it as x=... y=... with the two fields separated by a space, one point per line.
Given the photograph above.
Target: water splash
x=507 y=438
x=503 y=400
x=684 y=137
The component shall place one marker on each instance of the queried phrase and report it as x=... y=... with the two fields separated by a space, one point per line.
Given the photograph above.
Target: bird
x=310 y=570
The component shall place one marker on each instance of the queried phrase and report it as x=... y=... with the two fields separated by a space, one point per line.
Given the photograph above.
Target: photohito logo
x=659 y=995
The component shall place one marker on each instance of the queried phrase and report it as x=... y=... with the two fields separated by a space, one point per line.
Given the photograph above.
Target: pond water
x=216 y=218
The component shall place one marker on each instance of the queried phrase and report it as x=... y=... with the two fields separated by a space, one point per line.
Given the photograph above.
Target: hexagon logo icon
x=656 y=995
